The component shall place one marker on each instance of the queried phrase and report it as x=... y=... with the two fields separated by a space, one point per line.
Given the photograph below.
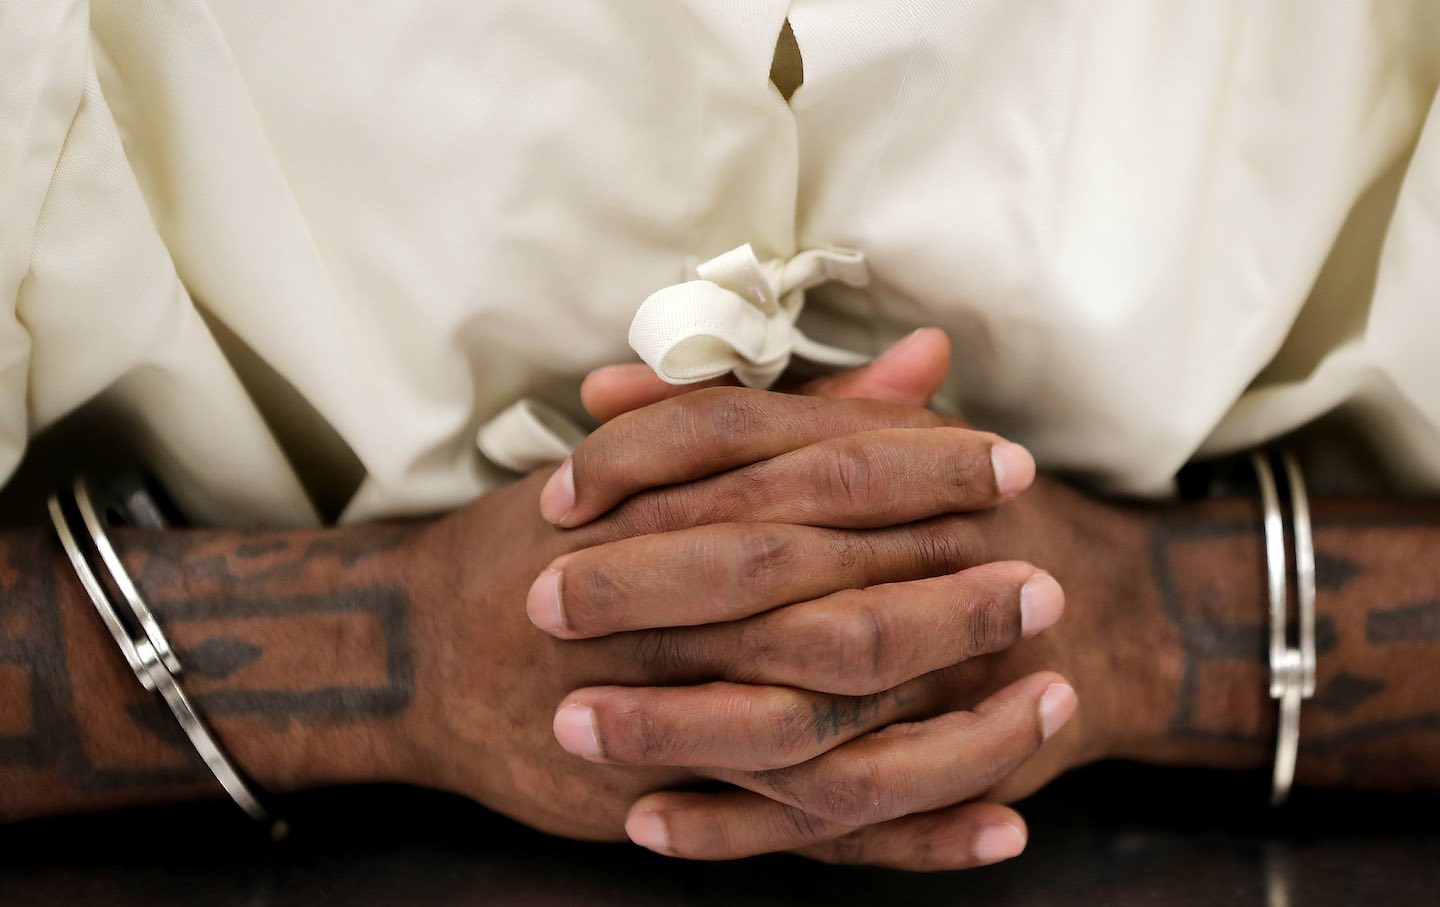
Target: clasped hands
x=771 y=622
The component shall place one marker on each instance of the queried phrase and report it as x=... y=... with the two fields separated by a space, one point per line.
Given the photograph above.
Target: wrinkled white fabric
x=297 y=255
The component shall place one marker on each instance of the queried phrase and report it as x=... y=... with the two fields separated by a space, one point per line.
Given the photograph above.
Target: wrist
x=295 y=646
x=1191 y=675
x=467 y=716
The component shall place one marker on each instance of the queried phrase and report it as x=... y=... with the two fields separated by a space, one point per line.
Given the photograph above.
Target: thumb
x=615 y=389
x=910 y=372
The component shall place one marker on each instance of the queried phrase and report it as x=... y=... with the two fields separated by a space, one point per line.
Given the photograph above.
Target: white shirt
x=302 y=252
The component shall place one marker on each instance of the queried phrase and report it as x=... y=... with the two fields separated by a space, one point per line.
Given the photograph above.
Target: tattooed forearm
x=37 y=722
x=1375 y=717
x=375 y=679
x=296 y=646
x=1408 y=623
x=220 y=656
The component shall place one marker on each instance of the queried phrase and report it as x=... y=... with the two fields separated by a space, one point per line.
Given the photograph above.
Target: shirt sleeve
x=1360 y=363
x=91 y=306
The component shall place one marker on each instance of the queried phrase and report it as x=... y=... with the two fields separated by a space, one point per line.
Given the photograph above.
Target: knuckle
x=990 y=624
x=855 y=796
x=851 y=549
x=597 y=461
x=591 y=595
x=760 y=558
x=734 y=565
x=634 y=734
x=749 y=651
x=717 y=417
x=743 y=495
x=851 y=476
x=865 y=649
x=847 y=641
x=968 y=467
x=788 y=735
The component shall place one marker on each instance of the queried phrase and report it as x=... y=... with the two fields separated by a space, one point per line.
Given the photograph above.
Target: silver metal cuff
x=1292 y=668
x=146 y=649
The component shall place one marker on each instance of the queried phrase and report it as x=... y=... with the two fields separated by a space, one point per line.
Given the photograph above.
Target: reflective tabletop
x=1112 y=835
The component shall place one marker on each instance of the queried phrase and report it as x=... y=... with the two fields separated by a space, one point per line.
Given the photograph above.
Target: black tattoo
x=838 y=715
x=54 y=740
x=170 y=564
x=1208 y=640
x=38 y=650
x=1346 y=692
x=220 y=656
x=1412 y=623
x=259 y=549
x=386 y=605
x=33 y=640
x=159 y=722
x=1333 y=572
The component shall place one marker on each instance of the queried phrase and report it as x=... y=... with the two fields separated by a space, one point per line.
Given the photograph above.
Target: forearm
x=296 y=647
x=1375 y=718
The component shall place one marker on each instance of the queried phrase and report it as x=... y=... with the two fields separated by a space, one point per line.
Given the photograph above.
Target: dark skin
x=384 y=653
x=499 y=545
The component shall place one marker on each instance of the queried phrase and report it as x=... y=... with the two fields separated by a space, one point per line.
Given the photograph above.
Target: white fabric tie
x=740 y=316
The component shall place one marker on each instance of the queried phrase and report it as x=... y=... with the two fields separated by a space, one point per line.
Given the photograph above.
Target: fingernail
x=648 y=829
x=1042 y=601
x=542 y=603
x=897 y=349
x=998 y=842
x=557 y=498
x=1014 y=468
x=574 y=727
x=1057 y=704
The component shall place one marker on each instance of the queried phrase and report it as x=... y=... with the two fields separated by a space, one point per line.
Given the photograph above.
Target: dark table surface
x=1112 y=835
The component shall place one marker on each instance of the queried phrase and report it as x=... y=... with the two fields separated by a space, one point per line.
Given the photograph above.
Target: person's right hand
x=789 y=524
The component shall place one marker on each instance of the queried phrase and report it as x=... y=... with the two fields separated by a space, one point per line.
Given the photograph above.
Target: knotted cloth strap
x=740 y=316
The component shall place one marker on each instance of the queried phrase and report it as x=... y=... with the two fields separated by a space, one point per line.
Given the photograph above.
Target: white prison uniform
x=303 y=252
